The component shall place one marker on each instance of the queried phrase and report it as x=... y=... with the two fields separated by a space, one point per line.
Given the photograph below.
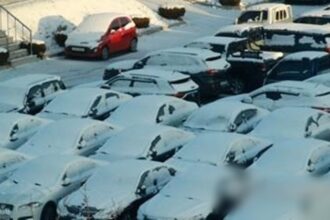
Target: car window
x=120 y=83
x=171 y=109
x=35 y=92
x=245 y=116
x=145 y=84
x=292 y=70
x=161 y=114
x=124 y=21
x=324 y=64
x=115 y=25
x=155 y=144
x=51 y=87
x=157 y=60
x=252 y=16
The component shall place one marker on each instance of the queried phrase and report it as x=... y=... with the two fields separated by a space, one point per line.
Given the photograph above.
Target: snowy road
x=200 y=20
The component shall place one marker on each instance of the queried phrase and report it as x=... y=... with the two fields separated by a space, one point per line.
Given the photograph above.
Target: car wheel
x=133 y=45
x=237 y=86
x=49 y=212
x=105 y=53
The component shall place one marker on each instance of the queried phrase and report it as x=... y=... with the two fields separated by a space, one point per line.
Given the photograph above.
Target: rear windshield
x=313 y=20
x=253 y=16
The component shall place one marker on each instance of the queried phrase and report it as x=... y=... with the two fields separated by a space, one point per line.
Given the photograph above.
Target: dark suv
x=300 y=66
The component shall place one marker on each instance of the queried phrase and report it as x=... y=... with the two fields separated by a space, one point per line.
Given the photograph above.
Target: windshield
x=295 y=69
x=12 y=96
x=252 y=16
x=313 y=20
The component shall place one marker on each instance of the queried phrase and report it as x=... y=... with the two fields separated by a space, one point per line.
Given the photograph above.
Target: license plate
x=78 y=49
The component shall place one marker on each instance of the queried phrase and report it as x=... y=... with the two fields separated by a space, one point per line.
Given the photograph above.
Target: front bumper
x=79 y=51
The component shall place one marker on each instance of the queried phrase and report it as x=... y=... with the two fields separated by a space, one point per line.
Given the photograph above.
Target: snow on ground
x=46 y=16
x=216 y=2
x=200 y=21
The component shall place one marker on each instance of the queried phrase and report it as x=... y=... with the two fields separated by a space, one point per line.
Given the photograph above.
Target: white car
x=29 y=93
x=152 y=109
x=34 y=189
x=152 y=142
x=268 y=13
x=289 y=94
x=153 y=81
x=17 y=128
x=225 y=116
x=69 y=136
x=198 y=193
x=294 y=157
x=116 y=191
x=288 y=123
x=220 y=149
x=9 y=161
x=84 y=103
x=323 y=79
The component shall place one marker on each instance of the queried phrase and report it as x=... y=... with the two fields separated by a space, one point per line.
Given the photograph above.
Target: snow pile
x=47 y=17
x=243 y=2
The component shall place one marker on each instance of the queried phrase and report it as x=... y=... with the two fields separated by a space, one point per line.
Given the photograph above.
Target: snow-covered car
x=299 y=66
x=152 y=109
x=154 y=81
x=317 y=17
x=294 y=37
x=17 y=128
x=293 y=122
x=268 y=13
x=34 y=188
x=29 y=93
x=9 y=161
x=152 y=142
x=219 y=149
x=99 y=35
x=225 y=116
x=289 y=94
x=68 y=136
x=92 y=103
x=131 y=182
x=206 y=68
x=323 y=79
x=201 y=192
x=247 y=31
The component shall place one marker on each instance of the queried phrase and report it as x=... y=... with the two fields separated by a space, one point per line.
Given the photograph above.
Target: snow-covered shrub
x=4 y=55
x=141 y=22
x=230 y=2
x=60 y=35
x=171 y=11
x=38 y=47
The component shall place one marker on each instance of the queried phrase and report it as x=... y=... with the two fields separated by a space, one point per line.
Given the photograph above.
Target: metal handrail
x=17 y=26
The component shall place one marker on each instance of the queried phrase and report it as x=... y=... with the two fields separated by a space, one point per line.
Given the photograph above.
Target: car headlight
x=30 y=205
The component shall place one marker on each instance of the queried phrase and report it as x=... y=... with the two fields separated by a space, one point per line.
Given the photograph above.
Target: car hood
x=84 y=39
x=122 y=65
x=54 y=116
x=167 y=207
x=111 y=200
x=4 y=108
x=20 y=194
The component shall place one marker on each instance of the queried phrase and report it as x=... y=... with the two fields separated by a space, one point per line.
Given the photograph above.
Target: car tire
x=105 y=53
x=49 y=212
x=237 y=86
x=133 y=45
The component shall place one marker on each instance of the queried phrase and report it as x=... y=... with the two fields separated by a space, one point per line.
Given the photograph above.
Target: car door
x=177 y=113
x=35 y=99
x=147 y=184
x=126 y=31
x=144 y=87
x=265 y=99
x=100 y=109
x=167 y=145
x=51 y=89
x=87 y=142
x=115 y=43
x=244 y=122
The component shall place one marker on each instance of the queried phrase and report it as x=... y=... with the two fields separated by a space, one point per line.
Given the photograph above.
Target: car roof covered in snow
x=23 y=82
x=212 y=148
x=156 y=73
x=239 y=28
x=60 y=136
x=323 y=79
x=316 y=13
x=201 y=53
x=142 y=109
x=266 y=6
x=307 y=29
x=301 y=88
x=135 y=141
x=287 y=157
x=289 y=122
x=216 y=115
x=217 y=40
x=310 y=55
x=8 y=156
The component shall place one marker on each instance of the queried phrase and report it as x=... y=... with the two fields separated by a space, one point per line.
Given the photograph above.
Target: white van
x=269 y=13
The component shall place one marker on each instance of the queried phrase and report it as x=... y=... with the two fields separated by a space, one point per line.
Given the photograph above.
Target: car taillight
x=325 y=109
x=212 y=72
x=327 y=49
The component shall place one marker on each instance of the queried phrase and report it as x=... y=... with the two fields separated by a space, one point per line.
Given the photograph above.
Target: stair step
x=18 y=53
x=14 y=46
x=24 y=60
x=3 y=41
x=3 y=33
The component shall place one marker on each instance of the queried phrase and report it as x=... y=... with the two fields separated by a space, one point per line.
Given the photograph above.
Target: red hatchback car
x=100 y=35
